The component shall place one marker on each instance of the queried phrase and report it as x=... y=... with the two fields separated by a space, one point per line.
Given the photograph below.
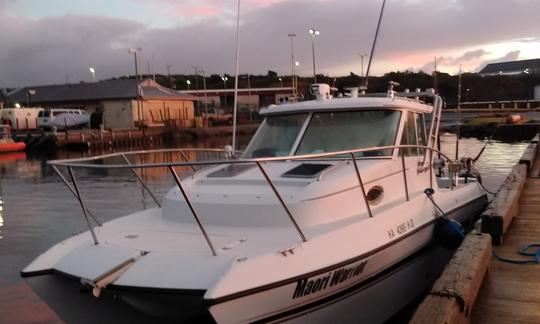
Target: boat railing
x=349 y=155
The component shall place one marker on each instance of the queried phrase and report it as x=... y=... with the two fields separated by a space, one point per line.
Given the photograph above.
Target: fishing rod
x=458 y=135
x=487 y=143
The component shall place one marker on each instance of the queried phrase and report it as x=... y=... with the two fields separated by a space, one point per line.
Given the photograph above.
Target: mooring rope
x=524 y=250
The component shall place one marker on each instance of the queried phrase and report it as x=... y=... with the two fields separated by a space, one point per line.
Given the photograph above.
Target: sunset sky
x=51 y=41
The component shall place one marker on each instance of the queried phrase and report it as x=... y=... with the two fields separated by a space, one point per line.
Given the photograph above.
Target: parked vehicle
x=62 y=118
x=217 y=116
x=20 y=118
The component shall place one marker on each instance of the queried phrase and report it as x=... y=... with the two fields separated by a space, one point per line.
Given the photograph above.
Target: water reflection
x=1 y=213
x=494 y=164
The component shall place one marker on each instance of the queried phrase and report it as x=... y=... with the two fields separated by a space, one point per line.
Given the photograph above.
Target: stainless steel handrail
x=141 y=181
x=69 y=162
x=75 y=163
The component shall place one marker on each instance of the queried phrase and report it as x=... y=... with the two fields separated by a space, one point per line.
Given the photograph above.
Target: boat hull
x=366 y=277
x=357 y=300
x=74 y=303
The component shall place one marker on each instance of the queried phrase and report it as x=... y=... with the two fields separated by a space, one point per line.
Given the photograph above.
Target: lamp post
x=280 y=81
x=293 y=79
x=314 y=33
x=134 y=51
x=93 y=71
x=249 y=96
x=295 y=71
x=29 y=93
x=203 y=70
x=224 y=78
x=188 y=84
x=362 y=64
x=195 y=69
x=169 y=66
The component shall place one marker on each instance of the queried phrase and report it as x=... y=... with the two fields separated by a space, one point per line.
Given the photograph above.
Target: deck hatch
x=306 y=170
x=231 y=170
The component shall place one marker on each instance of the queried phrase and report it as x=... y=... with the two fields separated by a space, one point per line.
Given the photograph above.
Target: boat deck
x=511 y=292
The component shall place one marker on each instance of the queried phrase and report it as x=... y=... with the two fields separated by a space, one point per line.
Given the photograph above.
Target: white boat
x=324 y=217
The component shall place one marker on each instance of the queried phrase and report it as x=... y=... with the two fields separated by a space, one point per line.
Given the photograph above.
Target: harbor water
x=37 y=210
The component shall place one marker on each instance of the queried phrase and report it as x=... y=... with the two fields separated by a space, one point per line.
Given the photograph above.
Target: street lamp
x=29 y=93
x=93 y=71
x=292 y=36
x=224 y=78
x=188 y=84
x=314 y=33
x=280 y=82
x=203 y=71
x=295 y=76
x=134 y=51
x=362 y=64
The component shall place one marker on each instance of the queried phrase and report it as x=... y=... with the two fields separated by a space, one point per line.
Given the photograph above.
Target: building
x=248 y=98
x=121 y=103
x=512 y=68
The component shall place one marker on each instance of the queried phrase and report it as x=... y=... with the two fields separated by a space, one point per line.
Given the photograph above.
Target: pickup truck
x=217 y=116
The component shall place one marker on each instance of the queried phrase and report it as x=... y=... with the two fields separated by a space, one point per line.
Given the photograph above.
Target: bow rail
x=350 y=155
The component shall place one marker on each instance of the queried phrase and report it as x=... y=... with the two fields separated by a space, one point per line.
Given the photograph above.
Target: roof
x=98 y=91
x=210 y=92
x=512 y=67
x=347 y=104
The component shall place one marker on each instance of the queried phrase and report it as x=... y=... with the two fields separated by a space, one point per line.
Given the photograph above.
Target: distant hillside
x=487 y=88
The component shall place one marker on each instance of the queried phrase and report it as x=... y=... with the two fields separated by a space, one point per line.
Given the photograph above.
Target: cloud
x=470 y=55
x=36 y=51
x=466 y=57
x=510 y=56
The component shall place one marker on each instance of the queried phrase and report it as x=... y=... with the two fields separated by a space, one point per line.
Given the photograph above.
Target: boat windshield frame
x=248 y=153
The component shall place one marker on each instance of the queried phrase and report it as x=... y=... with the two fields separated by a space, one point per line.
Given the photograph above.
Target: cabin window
x=276 y=136
x=409 y=136
x=349 y=130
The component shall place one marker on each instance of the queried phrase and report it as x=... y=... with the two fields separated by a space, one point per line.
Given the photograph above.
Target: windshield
x=276 y=136
x=348 y=130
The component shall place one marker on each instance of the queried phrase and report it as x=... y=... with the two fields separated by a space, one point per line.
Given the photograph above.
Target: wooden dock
x=123 y=138
x=511 y=292
x=476 y=287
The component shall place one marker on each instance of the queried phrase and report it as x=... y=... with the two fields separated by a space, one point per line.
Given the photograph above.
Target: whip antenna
x=364 y=86
x=236 y=78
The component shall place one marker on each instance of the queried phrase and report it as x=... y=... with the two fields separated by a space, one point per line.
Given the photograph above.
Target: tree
x=272 y=74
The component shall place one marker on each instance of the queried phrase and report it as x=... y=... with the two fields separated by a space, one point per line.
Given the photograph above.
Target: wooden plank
x=504 y=207
x=512 y=292
x=453 y=295
x=529 y=156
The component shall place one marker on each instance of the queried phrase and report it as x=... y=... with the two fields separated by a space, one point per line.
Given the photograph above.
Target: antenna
x=236 y=78
x=435 y=79
x=364 y=86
